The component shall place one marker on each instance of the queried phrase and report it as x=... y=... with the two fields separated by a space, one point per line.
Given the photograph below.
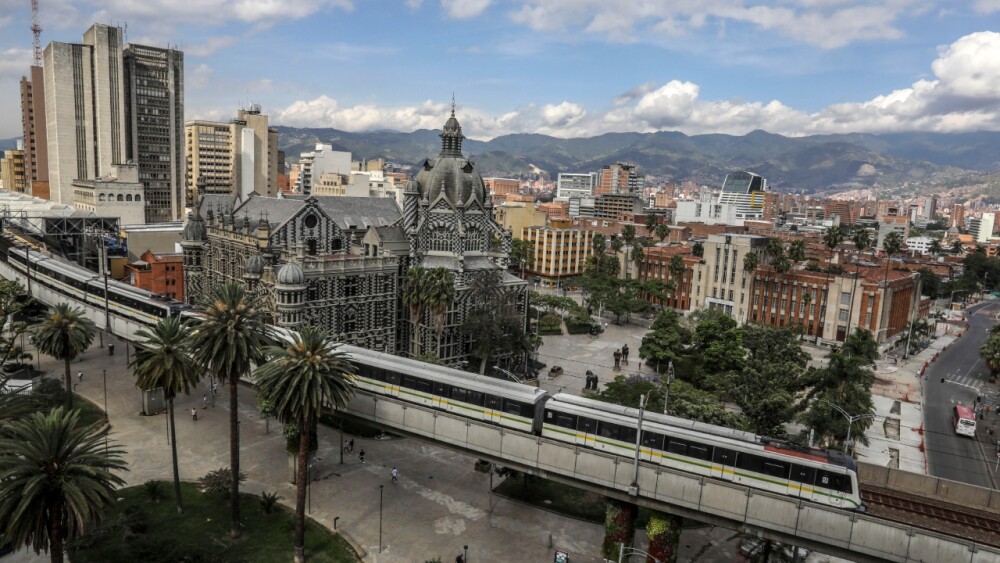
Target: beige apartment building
x=13 y=176
x=560 y=251
x=239 y=157
x=719 y=281
x=36 y=150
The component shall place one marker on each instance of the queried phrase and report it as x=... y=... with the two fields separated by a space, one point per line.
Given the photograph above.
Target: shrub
x=153 y=490
x=218 y=481
x=50 y=393
x=268 y=501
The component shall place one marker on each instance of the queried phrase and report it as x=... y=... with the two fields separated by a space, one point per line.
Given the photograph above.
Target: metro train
x=820 y=476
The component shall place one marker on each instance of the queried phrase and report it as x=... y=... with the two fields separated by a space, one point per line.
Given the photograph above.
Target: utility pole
x=666 y=388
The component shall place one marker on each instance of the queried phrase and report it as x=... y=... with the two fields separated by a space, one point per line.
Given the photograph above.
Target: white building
x=982 y=227
x=318 y=162
x=575 y=185
x=919 y=244
x=116 y=194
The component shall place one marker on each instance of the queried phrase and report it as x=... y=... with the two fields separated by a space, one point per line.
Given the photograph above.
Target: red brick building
x=162 y=274
x=656 y=265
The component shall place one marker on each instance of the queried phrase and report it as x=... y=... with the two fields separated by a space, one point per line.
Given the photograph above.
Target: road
x=950 y=456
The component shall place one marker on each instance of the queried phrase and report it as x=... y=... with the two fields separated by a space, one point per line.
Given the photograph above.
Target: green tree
x=441 y=294
x=832 y=238
x=990 y=353
x=494 y=324
x=862 y=241
x=781 y=264
x=775 y=247
x=600 y=244
x=18 y=312
x=677 y=270
x=57 y=478
x=750 y=261
x=957 y=247
x=227 y=341
x=163 y=359
x=299 y=379
x=616 y=244
x=637 y=255
x=698 y=249
x=665 y=340
x=846 y=381
x=768 y=384
x=522 y=253
x=416 y=296
x=797 y=250
x=934 y=248
x=651 y=223
x=64 y=334
x=930 y=283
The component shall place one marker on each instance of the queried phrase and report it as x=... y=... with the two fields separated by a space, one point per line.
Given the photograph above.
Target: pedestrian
x=79 y=377
x=625 y=354
x=459 y=559
x=215 y=388
x=640 y=365
x=395 y=475
x=194 y=413
x=618 y=358
x=361 y=455
x=347 y=446
x=350 y=445
x=204 y=401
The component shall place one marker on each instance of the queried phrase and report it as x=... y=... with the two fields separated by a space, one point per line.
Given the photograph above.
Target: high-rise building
x=930 y=207
x=84 y=108
x=982 y=227
x=13 y=176
x=619 y=178
x=36 y=150
x=239 y=157
x=154 y=133
x=323 y=160
x=575 y=185
x=958 y=215
x=746 y=191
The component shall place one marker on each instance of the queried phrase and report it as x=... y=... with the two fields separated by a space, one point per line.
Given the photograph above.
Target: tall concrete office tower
x=36 y=150
x=84 y=108
x=154 y=130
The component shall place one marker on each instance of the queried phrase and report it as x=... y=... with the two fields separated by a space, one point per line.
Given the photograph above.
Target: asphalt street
x=949 y=455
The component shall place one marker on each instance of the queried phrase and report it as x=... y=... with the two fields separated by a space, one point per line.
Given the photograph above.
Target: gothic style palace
x=339 y=262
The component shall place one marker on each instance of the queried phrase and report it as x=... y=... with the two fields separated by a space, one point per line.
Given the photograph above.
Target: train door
x=494 y=408
x=801 y=481
x=723 y=463
x=586 y=431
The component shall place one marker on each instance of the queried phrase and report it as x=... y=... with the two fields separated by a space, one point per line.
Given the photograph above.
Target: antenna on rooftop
x=36 y=32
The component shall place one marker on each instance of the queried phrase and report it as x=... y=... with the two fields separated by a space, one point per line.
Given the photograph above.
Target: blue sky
x=560 y=67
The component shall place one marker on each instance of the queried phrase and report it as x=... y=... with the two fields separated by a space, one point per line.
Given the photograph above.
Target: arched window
x=441 y=239
x=102 y=197
x=311 y=246
x=121 y=197
x=473 y=240
x=336 y=244
x=138 y=197
x=128 y=197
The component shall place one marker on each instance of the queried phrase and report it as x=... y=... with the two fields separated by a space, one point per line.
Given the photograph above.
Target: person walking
x=395 y=475
x=215 y=388
x=350 y=445
x=194 y=413
x=79 y=377
x=361 y=455
x=204 y=401
x=625 y=354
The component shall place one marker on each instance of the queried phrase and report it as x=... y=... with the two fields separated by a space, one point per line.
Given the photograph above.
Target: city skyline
x=559 y=67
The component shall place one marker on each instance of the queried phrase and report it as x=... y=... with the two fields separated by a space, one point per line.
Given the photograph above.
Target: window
x=102 y=197
x=608 y=430
x=514 y=407
x=724 y=456
x=677 y=446
x=128 y=197
x=494 y=402
x=845 y=298
x=121 y=197
x=138 y=197
x=442 y=389
x=842 y=315
x=834 y=481
x=459 y=394
x=803 y=474
x=749 y=462
x=587 y=425
x=699 y=451
x=775 y=469
x=311 y=247
x=652 y=440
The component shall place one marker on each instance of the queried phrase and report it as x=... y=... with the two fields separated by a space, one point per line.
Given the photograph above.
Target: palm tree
x=628 y=237
x=781 y=264
x=934 y=248
x=163 y=359
x=677 y=269
x=750 y=261
x=64 y=334
x=862 y=239
x=957 y=247
x=832 y=238
x=651 y=223
x=58 y=478
x=227 y=341
x=797 y=250
x=662 y=232
x=440 y=293
x=637 y=255
x=990 y=353
x=775 y=248
x=299 y=379
x=698 y=249
x=416 y=298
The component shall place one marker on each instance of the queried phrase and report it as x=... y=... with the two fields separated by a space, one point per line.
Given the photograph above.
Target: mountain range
x=822 y=164
x=899 y=164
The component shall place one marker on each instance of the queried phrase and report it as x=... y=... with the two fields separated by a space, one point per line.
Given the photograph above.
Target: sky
x=567 y=68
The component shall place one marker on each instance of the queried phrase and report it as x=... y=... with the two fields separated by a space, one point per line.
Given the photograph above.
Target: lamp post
x=465 y=553
x=850 y=421
x=104 y=375
x=380 y=487
x=634 y=489
x=513 y=377
x=666 y=388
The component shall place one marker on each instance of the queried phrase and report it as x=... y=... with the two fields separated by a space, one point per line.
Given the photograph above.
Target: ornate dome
x=290 y=274
x=194 y=229
x=451 y=173
x=254 y=266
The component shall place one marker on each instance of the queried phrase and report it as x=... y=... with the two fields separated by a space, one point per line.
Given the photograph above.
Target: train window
x=724 y=456
x=475 y=398
x=677 y=446
x=408 y=382
x=442 y=390
x=377 y=374
x=626 y=434
x=364 y=371
x=566 y=420
x=750 y=462
x=834 y=481
x=424 y=385
x=699 y=451
x=494 y=402
x=652 y=440
x=803 y=474
x=392 y=377
x=459 y=394
x=608 y=430
x=587 y=425
x=775 y=468
x=513 y=407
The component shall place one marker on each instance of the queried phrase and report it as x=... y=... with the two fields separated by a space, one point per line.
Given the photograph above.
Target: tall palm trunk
x=301 y=482
x=68 y=379
x=56 y=534
x=234 y=457
x=173 y=452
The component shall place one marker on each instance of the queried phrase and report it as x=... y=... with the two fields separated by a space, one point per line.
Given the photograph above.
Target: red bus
x=964 y=421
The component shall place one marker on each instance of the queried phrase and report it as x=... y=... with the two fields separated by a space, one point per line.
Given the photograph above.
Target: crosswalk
x=965 y=380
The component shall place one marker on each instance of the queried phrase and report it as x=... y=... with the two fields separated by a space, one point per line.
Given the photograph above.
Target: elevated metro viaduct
x=852 y=535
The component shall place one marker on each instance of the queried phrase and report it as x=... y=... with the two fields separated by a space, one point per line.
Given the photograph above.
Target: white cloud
x=209 y=11
x=464 y=9
x=210 y=47
x=198 y=78
x=962 y=95
x=15 y=62
x=987 y=6
x=824 y=23
x=565 y=114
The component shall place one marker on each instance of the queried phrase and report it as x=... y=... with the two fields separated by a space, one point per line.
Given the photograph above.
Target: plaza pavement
x=439 y=505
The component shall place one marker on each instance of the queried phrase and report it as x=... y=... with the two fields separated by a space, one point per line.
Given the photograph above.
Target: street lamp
x=666 y=388
x=634 y=489
x=465 y=553
x=630 y=551
x=515 y=378
x=380 y=487
x=850 y=420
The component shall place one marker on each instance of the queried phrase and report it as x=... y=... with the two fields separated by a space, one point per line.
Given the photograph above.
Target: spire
x=451 y=135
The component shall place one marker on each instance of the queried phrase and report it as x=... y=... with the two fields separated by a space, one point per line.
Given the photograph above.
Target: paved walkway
x=439 y=505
